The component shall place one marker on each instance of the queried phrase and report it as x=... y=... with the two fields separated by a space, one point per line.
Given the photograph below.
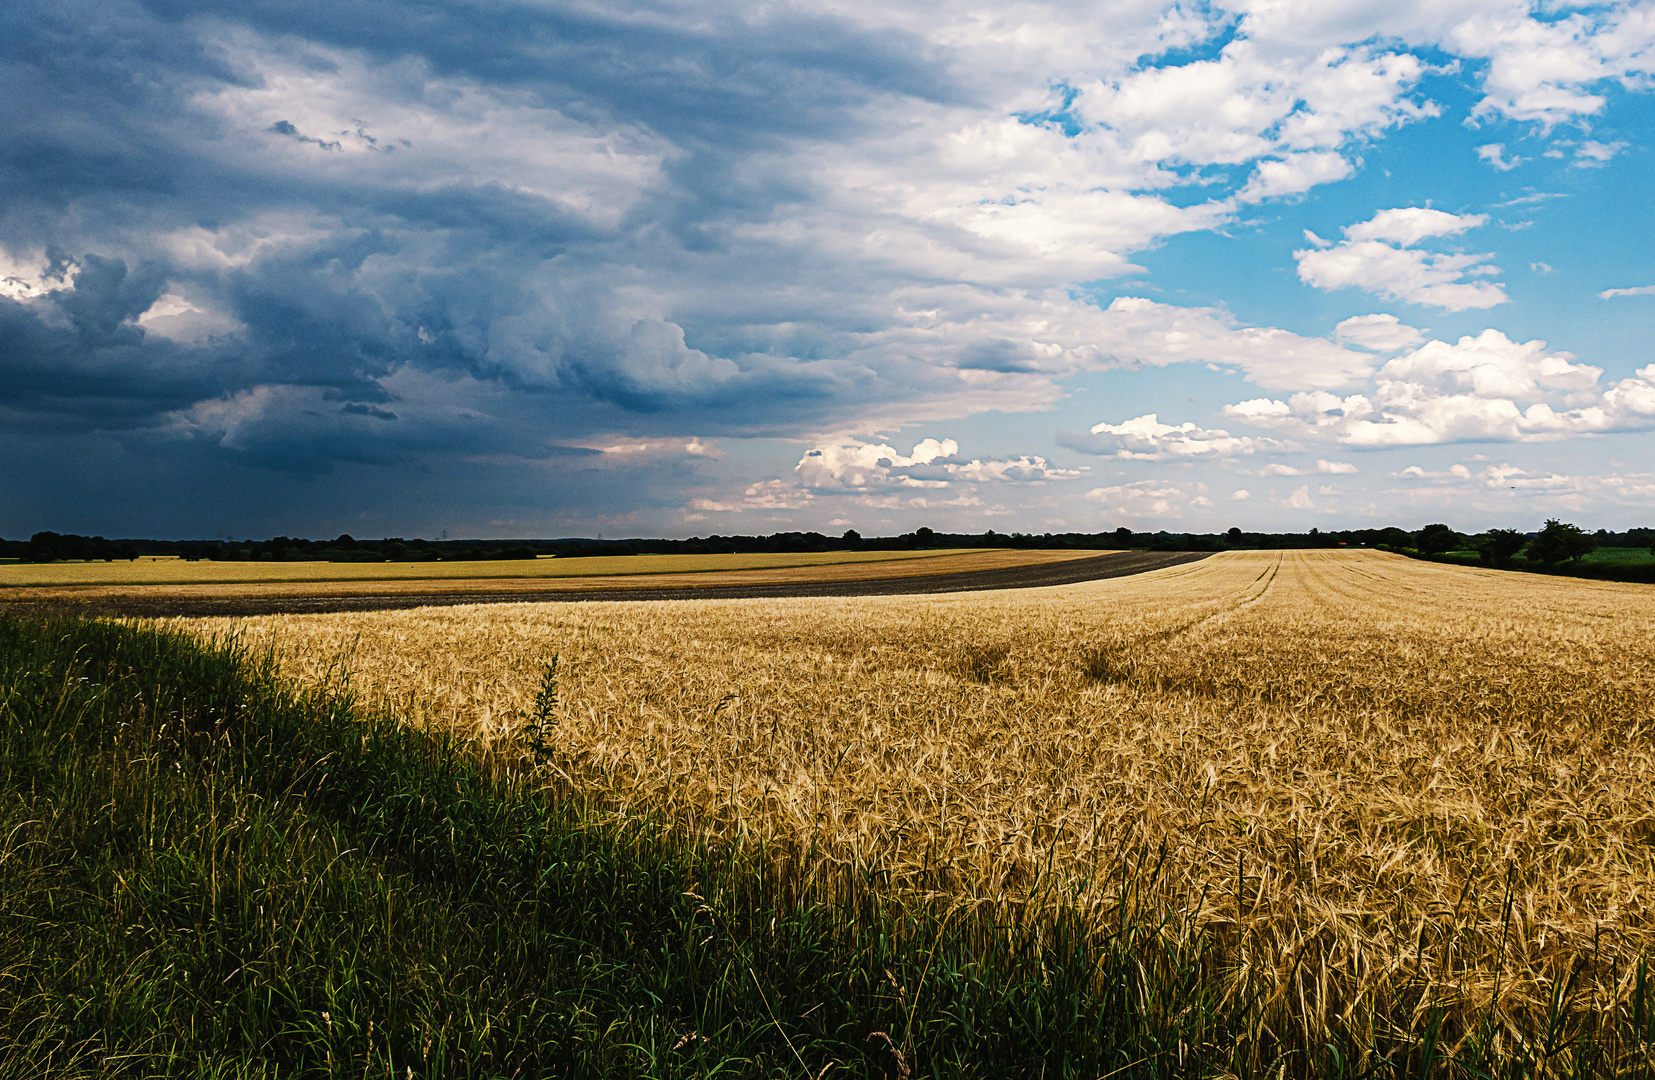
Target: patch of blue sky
x=1197 y=184
x=1059 y=118
x=1223 y=28
x=1248 y=265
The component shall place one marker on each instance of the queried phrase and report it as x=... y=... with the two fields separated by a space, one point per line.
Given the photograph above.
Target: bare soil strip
x=175 y=604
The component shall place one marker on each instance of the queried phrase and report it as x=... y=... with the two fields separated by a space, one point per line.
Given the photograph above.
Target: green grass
x=203 y=873
x=1600 y=557
x=1607 y=564
x=1620 y=557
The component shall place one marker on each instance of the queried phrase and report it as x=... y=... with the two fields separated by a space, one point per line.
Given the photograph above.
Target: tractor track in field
x=1070 y=572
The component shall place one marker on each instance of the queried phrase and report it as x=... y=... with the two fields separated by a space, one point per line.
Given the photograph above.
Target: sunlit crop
x=1398 y=793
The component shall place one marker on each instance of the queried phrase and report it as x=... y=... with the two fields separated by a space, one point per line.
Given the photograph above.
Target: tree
x=1436 y=539
x=46 y=547
x=1498 y=546
x=1234 y=534
x=1393 y=537
x=851 y=538
x=1559 y=543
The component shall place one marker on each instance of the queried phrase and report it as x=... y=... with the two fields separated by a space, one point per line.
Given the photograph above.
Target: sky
x=501 y=269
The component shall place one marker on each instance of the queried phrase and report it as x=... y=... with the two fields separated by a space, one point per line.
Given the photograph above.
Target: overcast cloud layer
x=659 y=268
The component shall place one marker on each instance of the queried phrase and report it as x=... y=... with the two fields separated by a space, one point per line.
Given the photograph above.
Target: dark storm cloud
x=691 y=70
x=334 y=273
x=284 y=127
x=87 y=365
x=368 y=410
x=113 y=485
x=102 y=129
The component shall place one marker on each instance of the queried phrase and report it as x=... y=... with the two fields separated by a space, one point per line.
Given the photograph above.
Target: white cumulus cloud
x=1495 y=155
x=1571 y=492
x=1407 y=225
x=870 y=466
x=1145 y=438
x=1134 y=329
x=932 y=464
x=1545 y=70
x=1591 y=154
x=1380 y=333
x=1486 y=387
x=1299 y=499
x=1293 y=174
x=846 y=477
x=1378 y=256
x=32 y=275
x=178 y=319
x=1151 y=499
x=1025 y=469
x=1632 y=400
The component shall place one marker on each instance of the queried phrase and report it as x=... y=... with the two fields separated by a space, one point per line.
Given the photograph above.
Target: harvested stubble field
x=1394 y=795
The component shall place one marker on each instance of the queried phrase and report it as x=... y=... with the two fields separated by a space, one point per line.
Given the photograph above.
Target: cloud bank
x=314 y=240
x=1482 y=388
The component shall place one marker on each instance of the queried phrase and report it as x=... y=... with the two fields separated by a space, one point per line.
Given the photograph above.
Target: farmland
x=175 y=587
x=168 y=570
x=1400 y=797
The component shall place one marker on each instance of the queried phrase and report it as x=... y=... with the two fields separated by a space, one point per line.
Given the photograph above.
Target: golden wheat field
x=1365 y=772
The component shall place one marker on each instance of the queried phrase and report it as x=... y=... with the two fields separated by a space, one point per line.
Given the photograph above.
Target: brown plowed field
x=967 y=572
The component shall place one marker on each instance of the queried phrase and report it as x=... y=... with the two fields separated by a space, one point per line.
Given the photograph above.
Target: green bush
x=1438 y=538
x=1500 y=546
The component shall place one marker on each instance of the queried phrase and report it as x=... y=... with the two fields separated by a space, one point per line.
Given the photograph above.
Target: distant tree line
x=1557 y=547
x=55 y=547
x=1554 y=545
x=46 y=547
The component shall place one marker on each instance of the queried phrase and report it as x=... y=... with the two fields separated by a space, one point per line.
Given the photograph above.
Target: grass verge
x=1633 y=565
x=204 y=873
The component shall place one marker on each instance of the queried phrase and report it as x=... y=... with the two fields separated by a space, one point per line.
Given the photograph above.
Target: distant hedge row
x=1433 y=540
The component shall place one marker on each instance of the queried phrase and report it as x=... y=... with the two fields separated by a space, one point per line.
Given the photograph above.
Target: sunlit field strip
x=507 y=588
x=1369 y=773
x=172 y=571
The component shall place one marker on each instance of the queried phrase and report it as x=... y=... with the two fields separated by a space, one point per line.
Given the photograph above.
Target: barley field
x=1393 y=794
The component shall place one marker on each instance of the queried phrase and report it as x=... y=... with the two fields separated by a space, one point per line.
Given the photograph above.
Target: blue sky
x=510 y=269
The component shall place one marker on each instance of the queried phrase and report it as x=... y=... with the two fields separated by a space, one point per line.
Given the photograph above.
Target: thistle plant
x=540 y=723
